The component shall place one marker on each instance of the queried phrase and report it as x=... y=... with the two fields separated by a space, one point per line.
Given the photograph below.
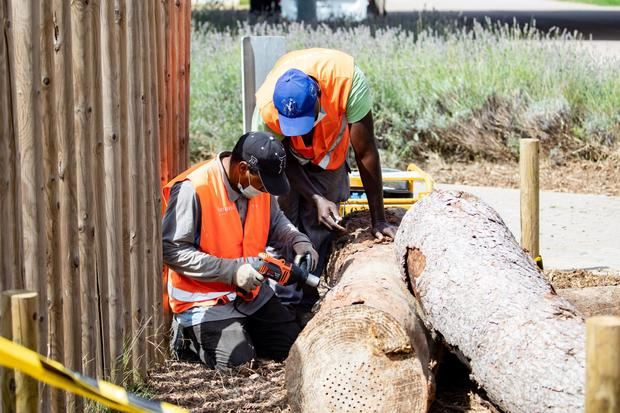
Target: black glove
x=305 y=251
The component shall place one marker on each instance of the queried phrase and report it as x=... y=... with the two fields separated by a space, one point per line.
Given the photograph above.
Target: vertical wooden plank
x=83 y=118
x=101 y=333
x=603 y=364
x=110 y=23
x=121 y=7
x=528 y=166
x=186 y=16
x=166 y=125
x=136 y=216
x=157 y=57
x=69 y=251
x=173 y=56
x=10 y=239
x=162 y=80
x=146 y=166
x=27 y=123
x=51 y=344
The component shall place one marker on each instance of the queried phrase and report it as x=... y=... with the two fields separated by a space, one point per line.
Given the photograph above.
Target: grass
x=598 y=2
x=428 y=86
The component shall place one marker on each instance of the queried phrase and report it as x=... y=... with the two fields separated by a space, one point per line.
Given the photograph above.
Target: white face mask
x=249 y=192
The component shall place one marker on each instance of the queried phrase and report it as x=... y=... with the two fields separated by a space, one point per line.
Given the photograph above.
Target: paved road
x=577 y=230
x=602 y=23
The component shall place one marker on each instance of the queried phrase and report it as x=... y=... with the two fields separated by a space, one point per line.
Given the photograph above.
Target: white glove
x=247 y=278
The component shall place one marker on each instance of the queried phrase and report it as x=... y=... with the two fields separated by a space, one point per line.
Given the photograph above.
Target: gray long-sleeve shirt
x=181 y=238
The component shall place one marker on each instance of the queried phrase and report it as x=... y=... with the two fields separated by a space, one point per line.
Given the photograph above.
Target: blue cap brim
x=297 y=126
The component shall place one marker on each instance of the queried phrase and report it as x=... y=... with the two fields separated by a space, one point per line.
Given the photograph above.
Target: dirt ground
x=259 y=387
x=602 y=177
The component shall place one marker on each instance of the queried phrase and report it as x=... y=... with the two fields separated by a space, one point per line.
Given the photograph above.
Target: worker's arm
x=298 y=177
x=179 y=235
x=369 y=165
x=282 y=233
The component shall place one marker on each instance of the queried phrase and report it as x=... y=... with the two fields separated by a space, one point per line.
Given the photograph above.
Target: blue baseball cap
x=294 y=96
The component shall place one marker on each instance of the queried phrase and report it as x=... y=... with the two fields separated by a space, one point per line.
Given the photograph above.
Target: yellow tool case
x=400 y=189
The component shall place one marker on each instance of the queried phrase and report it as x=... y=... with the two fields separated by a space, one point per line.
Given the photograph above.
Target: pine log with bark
x=487 y=300
x=365 y=350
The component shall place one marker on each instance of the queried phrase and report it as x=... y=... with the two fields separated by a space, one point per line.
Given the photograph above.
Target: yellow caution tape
x=55 y=374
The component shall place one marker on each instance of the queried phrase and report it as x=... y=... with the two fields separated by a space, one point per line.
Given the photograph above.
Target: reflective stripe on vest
x=221 y=235
x=334 y=72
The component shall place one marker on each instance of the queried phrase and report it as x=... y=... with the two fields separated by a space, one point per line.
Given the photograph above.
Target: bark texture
x=365 y=350
x=489 y=302
x=593 y=301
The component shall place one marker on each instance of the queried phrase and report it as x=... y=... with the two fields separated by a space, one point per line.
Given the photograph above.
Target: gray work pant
x=334 y=186
x=268 y=333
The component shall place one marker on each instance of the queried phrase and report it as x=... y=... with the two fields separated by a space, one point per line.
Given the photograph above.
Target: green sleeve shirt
x=358 y=104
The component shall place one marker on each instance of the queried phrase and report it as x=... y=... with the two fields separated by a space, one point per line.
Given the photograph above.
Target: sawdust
x=580 y=279
x=249 y=388
x=260 y=386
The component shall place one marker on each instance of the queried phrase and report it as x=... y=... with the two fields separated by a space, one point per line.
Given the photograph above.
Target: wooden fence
x=94 y=98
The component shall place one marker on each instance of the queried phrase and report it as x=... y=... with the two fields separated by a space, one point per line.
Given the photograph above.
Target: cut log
x=365 y=350
x=593 y=301
x=486 y=298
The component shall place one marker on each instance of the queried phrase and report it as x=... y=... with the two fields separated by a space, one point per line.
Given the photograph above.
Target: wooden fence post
x=112 y=184
x=19 y=311
x=136 y=199
x=83 y=103
x=68 y=248
x=603 y=364
x=528 y=166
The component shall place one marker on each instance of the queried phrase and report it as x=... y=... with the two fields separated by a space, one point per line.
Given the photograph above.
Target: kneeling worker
x=220 y=215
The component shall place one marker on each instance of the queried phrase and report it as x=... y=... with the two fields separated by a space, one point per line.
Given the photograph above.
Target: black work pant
x=268 y=333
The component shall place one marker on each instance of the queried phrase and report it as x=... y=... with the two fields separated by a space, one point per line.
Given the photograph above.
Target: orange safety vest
x=221 y=235
x=334 y=72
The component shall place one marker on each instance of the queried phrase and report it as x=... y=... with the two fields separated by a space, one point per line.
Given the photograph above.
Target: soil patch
x=260 y=386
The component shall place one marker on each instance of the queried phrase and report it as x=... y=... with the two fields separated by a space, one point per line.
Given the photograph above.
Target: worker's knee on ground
x=233 y=348
x=242 y=353
x=278 y=348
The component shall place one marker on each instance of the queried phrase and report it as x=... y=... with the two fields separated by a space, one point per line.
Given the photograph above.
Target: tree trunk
x=365 y=350
x=594 y=301
x=491 y=304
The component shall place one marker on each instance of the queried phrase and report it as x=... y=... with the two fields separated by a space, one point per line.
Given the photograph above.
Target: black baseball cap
x=266 y=157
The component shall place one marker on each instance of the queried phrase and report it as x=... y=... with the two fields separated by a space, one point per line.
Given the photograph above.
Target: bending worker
x=220 y=215
x=318 y=102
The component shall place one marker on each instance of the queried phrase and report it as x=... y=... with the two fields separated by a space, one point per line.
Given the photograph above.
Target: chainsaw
x=285 y=273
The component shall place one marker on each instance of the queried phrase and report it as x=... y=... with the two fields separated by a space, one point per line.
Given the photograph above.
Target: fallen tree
x=486 y=299
x=365 y=350
x=592 y=301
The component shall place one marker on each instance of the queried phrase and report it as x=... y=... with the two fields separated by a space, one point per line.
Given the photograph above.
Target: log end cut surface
x=347 y=370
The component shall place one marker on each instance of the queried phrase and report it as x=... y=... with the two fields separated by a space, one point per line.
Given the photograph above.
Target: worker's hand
x=382 y=229
x=328 y=213
x=303 y=249
x=247 y=278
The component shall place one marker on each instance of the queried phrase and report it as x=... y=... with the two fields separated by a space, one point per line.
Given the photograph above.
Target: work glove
x=247 y=278
x=304 y=250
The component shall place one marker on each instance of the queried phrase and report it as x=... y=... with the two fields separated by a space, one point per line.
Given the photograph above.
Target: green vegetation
x=464 y=94
x=598 y=2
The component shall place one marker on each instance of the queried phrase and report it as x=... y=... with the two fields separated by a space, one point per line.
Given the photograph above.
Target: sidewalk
x=490 y=5
x=577 y=231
